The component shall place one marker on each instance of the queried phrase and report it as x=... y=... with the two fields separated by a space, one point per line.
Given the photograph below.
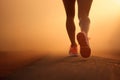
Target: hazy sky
x=40 y=25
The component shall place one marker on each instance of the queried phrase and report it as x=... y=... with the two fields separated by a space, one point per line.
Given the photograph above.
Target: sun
x=117 y=1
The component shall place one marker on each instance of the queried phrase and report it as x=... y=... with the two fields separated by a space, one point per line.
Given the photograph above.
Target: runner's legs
x=83 y=14
x=70 y=25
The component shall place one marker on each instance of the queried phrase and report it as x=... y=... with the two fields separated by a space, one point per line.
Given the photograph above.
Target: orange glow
x=40 y=25
x=117 y=1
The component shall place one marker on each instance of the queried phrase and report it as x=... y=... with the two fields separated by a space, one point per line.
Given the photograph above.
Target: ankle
x=85 y=33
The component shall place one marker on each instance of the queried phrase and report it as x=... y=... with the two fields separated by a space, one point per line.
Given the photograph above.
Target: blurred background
x=39 y=25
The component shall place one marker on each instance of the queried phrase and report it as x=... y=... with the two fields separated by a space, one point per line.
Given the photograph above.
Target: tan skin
x=83 y=15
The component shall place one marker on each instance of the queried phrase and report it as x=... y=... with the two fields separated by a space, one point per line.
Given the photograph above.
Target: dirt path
x=12 y=61
x=69 y=68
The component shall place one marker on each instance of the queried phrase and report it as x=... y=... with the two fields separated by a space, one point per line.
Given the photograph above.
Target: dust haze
x=39 y=25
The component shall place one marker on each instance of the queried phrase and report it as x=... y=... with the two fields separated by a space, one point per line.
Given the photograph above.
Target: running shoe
x=73 y=51
x=83 y=41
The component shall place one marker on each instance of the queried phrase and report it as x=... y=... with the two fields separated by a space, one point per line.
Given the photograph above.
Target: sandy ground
x=69 y=68
x=12 y=61
x=36 y=66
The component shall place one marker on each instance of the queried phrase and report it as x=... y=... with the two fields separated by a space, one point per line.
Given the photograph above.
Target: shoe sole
x=73 y=55
x=85 y=50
